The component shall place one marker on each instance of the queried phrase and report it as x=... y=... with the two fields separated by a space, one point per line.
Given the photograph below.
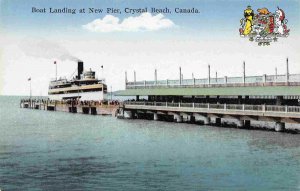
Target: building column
x=207 y=99
x=240 y=100
x=279 y=126
x=246 y=100
x=218 y=99
x=279 y=100
x=193 y=99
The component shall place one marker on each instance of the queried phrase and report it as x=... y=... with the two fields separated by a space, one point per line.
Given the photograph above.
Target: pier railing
x=240 y=107
x=264 y=80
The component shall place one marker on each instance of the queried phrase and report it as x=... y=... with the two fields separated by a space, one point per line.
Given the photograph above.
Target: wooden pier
x=271 y=98
x=242 y=113
x=83 y=107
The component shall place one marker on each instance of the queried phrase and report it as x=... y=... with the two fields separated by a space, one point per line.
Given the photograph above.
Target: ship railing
x=237 y=107
x=58 y=79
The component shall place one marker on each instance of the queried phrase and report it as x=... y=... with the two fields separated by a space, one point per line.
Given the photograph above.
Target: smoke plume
x=42 y=48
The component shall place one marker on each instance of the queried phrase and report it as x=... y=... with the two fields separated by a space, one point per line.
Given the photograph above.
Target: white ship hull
x=88 y=96
x=84 y=86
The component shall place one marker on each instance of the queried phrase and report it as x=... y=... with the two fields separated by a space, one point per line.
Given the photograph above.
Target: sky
x=31 y=42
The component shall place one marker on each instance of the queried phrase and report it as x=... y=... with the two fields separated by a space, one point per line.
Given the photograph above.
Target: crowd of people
x=72 y=102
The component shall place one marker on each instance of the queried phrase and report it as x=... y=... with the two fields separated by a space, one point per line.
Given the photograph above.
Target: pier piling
x=247 y=123
x=279 y=126
x=177 y=118
x=218 y=121
x=206 y=120
x=155 y=116
x=240 y=123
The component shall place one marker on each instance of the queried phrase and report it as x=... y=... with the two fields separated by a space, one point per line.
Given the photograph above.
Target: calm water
x=42 y=150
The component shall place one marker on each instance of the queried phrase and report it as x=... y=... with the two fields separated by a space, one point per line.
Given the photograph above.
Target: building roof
x=263 y=90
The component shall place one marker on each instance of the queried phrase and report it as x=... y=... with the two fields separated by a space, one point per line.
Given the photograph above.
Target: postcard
x=149 y=95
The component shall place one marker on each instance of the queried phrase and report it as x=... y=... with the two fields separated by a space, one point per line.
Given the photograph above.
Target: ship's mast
x=30 y=89
x=55 y=70
x=111 y=93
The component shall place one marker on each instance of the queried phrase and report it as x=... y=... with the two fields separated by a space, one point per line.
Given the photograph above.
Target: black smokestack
x=80 y=69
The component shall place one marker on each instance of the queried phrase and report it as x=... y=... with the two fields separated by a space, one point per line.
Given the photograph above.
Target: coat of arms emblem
x=264 y=26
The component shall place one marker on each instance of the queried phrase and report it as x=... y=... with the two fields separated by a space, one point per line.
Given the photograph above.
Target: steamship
x=83 y=86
